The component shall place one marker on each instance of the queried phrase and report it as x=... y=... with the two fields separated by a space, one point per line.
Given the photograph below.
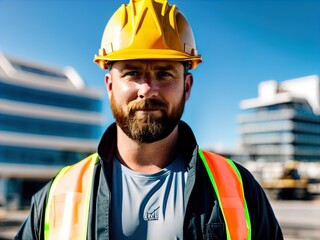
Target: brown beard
x=147 y=128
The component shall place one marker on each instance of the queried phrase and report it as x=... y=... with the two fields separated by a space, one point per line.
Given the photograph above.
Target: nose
x=148 y=89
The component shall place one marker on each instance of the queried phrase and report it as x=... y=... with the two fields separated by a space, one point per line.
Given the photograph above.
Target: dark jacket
x=203 y=218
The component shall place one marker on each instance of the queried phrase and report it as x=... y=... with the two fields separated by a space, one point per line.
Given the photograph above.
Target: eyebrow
x=166 y=67
x=130 y=66
x=157 y=68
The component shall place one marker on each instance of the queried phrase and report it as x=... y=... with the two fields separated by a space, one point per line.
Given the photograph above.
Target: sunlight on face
x=155 y=98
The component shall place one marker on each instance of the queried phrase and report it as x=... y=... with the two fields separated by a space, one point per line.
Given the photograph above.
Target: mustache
x=148 y=104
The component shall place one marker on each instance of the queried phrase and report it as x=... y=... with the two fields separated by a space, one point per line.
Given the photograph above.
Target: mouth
x=150 y=106
x=154 y=112
x=148 y=110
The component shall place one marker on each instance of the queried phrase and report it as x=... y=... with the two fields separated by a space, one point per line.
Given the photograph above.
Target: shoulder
x=40 y=197
x=32 y=227
x=263 y=220
x=252 y=189
x=248 y=179
x=38 y=204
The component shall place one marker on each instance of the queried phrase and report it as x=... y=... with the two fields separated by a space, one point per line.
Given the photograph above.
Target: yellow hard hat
x=148 y=29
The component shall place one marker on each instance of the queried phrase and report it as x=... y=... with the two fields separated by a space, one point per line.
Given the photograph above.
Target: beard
x=147 y=127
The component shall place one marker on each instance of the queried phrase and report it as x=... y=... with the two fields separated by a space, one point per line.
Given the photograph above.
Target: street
x=299 y=220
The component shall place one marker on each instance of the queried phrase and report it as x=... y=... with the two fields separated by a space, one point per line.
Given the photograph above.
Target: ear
x=108 y=82
x=188 y=85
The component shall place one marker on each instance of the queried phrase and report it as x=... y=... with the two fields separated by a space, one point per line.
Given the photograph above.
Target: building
x=283 y=122
x=48 y=118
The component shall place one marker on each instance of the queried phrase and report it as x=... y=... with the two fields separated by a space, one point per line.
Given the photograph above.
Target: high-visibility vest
x=227 y=183
x=67 y=209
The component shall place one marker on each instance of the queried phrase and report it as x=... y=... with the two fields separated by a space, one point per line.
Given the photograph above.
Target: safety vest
x=67 y=209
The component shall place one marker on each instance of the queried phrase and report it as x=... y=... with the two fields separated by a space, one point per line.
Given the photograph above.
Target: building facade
x=283 y=122
x=48 y=118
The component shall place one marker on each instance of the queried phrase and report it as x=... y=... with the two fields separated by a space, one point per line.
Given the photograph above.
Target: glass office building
x=283 y=122
x=48 y=118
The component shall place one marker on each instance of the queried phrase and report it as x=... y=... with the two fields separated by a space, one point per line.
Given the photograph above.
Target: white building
x=48 y=118
x=283 y=122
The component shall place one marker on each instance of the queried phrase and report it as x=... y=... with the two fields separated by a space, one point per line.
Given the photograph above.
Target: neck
x=146 y=157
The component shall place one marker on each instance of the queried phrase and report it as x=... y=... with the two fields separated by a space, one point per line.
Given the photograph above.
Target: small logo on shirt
x=152 y=215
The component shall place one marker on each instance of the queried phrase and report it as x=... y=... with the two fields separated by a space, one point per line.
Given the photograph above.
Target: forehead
x=148 y=65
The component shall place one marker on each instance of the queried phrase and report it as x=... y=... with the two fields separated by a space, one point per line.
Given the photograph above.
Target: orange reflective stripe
x=68 y=202
x=229 y=190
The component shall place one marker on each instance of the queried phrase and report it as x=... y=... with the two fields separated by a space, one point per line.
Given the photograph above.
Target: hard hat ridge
x=147 y=22
x=148 y=29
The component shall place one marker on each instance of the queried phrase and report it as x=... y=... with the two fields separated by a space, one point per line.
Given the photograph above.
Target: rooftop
x=304 y=90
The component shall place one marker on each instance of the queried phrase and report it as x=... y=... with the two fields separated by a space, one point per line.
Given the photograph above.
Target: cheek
x=127 y=87
x=175 y=91
x=124 y=92
x=173 y=96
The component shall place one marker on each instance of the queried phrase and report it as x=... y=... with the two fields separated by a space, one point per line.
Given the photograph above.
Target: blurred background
x=255 y=99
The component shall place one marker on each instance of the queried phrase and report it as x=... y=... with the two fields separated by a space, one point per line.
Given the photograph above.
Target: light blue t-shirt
x=148 y=206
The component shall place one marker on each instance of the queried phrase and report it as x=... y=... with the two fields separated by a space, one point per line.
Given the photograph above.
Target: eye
x=131 y=74
x=164 y=74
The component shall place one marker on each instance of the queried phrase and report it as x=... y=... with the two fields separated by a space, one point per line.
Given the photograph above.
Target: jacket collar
x=186 y=143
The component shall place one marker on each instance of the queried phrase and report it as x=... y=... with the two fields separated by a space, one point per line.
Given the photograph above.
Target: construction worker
x=149 y=179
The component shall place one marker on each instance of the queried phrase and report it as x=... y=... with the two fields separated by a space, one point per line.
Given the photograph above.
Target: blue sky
x=242 y=43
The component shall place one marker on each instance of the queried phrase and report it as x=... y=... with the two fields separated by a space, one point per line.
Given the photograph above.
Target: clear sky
x=242 y=43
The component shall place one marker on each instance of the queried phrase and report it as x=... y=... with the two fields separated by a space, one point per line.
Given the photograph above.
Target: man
x=149 y=179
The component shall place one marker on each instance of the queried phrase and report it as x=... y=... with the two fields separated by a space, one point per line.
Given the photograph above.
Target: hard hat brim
x=149 y=54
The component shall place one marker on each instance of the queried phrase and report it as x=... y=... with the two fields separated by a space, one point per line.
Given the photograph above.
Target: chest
x=147 y=206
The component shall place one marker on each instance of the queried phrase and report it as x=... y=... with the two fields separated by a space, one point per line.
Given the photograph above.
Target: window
x=39 y=71
x=23 y=155
x=24 y=94
x=49 y=127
